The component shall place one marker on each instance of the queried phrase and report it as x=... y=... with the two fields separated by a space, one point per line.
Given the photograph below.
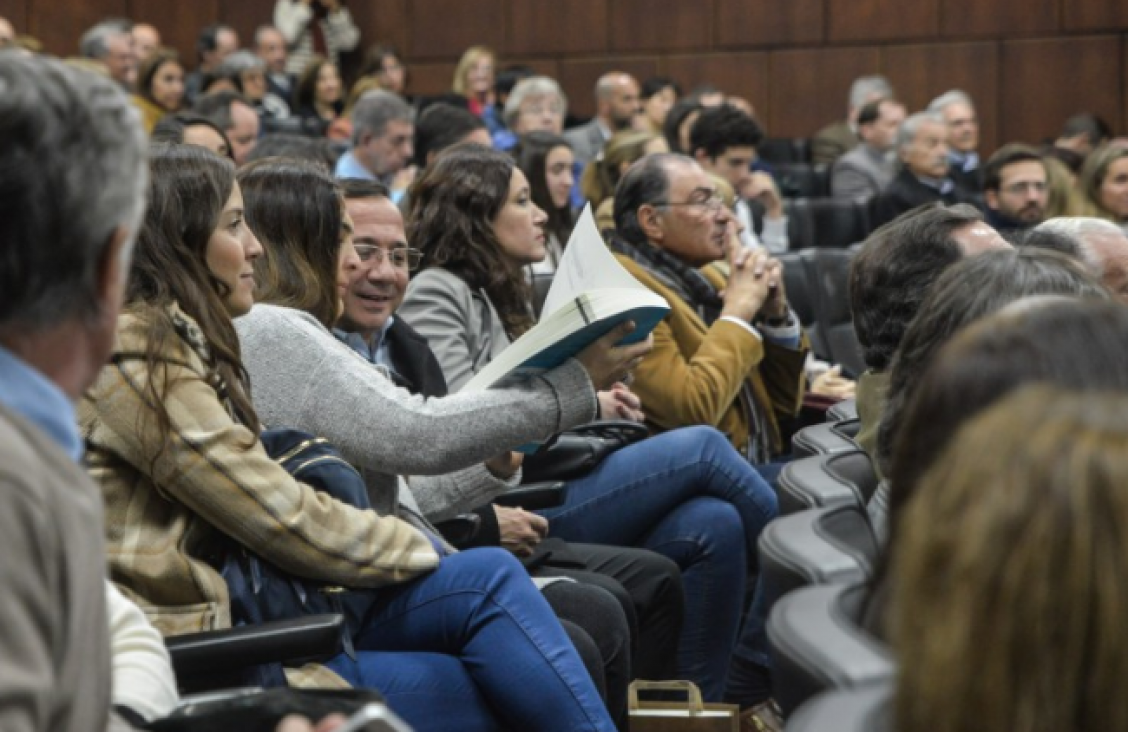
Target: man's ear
x=991 y=198
x=650 y=221
x=703 y=158
x=113 y=272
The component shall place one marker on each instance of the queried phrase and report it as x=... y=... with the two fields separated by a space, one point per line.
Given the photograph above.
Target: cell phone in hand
x=374 y=718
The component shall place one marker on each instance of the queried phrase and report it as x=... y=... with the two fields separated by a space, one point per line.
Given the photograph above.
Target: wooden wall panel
x=742 y=74
x=660 y=25
x=244 y=16
x=964 y=18
x=882 y=20
x=1047 y=81
x=15 y=11
x=809 y=88
x=59 y=24
x=381 y=21
x=921 y=73
x=1094 y=15
x=443 y=29
x=180 y=23
x=428 y=79
x=578 y=78
x=743 y=23
x=559 y=27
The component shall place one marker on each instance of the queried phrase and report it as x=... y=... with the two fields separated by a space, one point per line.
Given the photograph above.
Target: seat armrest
x=307 y=638
x=535 y=496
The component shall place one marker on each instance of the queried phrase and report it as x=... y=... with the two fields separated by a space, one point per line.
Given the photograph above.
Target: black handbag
x=574 y=453
x=261 y=711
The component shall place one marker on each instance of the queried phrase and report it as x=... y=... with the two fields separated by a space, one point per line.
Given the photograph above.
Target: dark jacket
x=906 y=192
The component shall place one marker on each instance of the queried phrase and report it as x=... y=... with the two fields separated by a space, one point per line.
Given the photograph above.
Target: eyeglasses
x=404 y=258
x=1036 y=186
x=712 y=204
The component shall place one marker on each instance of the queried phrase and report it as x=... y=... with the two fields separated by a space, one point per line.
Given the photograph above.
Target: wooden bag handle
x=694 y=703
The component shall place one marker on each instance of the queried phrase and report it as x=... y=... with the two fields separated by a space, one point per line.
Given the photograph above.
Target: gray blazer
x=461 y=325
x=861 y=174
x=586 y=140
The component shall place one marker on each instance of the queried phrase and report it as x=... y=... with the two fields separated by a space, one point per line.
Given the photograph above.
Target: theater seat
x=817 y=547
x=777 y=150
x=801 y=297
x=841 y=479
x=863 y=709
x=825 y=439
x=828 y=271
x=838 y=223
x=847 y=409
x=802 y=180
x=817 y=644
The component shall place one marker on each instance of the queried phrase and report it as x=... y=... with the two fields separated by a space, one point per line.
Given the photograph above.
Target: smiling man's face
x=377 y=288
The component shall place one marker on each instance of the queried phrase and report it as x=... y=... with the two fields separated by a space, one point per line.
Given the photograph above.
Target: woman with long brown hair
x=1011 y=576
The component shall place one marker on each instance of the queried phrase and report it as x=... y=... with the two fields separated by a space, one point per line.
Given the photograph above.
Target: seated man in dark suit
x=923 y=149
x=868 y=169
x=839 y=138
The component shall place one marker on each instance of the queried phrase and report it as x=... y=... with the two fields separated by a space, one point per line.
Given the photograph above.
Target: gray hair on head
x=908 y=130
x=375 y=110
x=947 y=99
x=647 y=181
x=238 y=62
x=73 y=154
x=95 y=43
x=865 y=88
x=1082 y=230
x=534 y=86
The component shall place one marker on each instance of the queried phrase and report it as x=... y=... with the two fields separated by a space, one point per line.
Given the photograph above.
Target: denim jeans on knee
x=481 y=607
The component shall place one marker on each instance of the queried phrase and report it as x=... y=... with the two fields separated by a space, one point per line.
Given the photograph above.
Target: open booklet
x=591 y=293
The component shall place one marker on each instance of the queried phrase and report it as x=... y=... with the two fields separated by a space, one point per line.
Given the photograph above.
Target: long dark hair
x=454 y=206
x=188 y=188
x=148 y=72
x=531 y=155
x=295 y=209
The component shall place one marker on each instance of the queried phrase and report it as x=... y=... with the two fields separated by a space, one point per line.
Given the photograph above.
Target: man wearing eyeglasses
x=1014 y=188
x=730 y=353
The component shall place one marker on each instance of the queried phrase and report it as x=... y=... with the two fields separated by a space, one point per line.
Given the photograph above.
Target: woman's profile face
x=658 y=106
x=231 y=254
x=167 y=86
x=519 y=226
x=1114 y=188
x=328 y=89
x=559 y=176
x=207 y=138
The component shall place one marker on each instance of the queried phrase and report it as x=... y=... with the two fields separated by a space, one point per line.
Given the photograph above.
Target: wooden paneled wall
x=1028 y=63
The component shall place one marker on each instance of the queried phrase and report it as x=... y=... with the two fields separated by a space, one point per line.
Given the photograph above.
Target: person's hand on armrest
x=521 y=531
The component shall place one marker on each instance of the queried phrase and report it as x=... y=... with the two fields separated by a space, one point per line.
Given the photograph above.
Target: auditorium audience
x=923 y=150
x=1015 y=189
x=236 y=117
x=868 y=169
x=958 y=112
x=160 y=87
x=1102 y=186
x=535 y=103
x=111 y=44
x=658 y=95
x=839 y=138
x=616 y=105
x=470 y=302
x=724 y=140
x=383 y=139
x=386 y=65
x=270 y=45
x=602 y=175
x=314 y=27
x=192 y=129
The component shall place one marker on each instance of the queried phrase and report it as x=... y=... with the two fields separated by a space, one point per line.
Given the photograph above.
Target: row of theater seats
x=816 y=281
x=816 y=558
x=830 y=223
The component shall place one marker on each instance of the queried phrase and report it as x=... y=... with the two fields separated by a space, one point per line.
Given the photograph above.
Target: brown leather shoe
x=764 y=717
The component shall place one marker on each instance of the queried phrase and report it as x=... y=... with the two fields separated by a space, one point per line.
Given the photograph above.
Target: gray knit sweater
x=303 y=377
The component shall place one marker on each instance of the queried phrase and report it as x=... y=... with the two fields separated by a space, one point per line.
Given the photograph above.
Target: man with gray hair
x=73 y=154
x=1103 y=246
x=958 y=113
x=923 y=151
x=839 y=138
x=617 y=101
x=111 y=43
x=383 y=142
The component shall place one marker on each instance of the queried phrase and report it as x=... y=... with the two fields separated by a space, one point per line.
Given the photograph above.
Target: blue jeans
x=480 y=607
x=689 y=495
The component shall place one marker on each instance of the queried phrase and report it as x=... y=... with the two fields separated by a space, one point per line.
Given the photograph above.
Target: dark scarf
x=690 y=285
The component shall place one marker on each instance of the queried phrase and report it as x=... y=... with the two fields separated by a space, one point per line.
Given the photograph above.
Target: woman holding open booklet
x=686 y=494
